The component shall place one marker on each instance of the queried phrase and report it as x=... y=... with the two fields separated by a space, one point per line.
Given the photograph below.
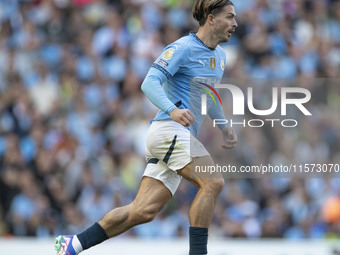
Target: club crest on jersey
x=222 y=65
x=169 y=54
x=212 y=63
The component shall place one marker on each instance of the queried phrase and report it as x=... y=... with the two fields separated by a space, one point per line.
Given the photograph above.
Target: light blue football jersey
x=180 y=62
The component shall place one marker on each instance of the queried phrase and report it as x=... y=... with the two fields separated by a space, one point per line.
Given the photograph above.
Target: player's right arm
x=152 y=88
x=173 y=58
x=182 y=116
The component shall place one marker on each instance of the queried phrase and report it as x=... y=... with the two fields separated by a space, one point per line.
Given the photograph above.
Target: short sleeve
x=172 y=59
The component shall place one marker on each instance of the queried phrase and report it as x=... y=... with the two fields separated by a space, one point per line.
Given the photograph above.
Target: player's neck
x=205 y=36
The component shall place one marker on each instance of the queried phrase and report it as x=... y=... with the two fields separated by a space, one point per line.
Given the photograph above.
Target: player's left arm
x=216 y=112
x=229 y=134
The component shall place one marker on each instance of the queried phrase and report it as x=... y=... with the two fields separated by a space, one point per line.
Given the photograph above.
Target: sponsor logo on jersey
x=169 y=54
x=212 y=63
x=162 y=62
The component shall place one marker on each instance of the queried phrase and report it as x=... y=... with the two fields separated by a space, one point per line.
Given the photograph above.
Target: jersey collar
x=199 y=40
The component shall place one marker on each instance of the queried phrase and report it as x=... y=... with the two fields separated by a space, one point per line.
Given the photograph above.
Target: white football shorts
x=170 y=147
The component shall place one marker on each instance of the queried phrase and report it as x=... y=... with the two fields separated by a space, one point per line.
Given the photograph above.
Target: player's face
x=225 y=24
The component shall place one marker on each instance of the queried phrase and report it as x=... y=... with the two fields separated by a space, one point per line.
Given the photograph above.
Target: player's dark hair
x=202 y=8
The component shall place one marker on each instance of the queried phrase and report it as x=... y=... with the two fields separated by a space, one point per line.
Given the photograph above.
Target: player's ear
x=210 y=19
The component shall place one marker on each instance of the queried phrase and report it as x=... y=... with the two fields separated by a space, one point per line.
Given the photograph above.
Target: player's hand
x=229 y=137
x=182 y=116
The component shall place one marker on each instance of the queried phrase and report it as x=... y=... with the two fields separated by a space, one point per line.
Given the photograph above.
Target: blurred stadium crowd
x=73 y=119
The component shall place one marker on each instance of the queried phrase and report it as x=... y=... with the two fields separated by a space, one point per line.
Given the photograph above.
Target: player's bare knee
x=214 y=185
x=219 y=185
x=146 y=215
x=149 y=216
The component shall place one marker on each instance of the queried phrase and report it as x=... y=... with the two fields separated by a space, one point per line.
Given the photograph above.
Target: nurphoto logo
x=295 y=96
